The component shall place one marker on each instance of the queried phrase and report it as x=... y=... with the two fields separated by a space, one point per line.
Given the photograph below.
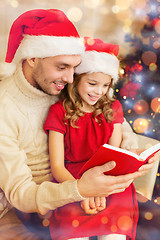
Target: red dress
x=121 y=213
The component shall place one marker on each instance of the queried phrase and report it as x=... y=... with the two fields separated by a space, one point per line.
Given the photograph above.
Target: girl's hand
x=88 y=205
x=93 y=205
x=100 y=203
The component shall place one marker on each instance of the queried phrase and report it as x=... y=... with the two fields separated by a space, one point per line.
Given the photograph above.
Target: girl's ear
x=32 y=61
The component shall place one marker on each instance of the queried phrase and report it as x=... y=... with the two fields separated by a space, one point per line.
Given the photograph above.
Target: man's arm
x=16 y=179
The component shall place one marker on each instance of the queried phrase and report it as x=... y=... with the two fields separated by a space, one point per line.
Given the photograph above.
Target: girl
x=85 y=118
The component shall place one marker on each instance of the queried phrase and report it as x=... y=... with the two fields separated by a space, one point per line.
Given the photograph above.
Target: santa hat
x=99 y=57
x=40 y=33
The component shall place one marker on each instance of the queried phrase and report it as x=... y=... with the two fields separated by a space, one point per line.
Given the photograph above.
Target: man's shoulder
x=6 y=99
x=4 y=85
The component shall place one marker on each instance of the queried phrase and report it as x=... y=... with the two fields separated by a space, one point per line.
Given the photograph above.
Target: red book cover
x=126 y=161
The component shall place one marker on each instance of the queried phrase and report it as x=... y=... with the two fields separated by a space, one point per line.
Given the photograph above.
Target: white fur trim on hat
x=48 y=46
x=6 y=69
x=93 y=61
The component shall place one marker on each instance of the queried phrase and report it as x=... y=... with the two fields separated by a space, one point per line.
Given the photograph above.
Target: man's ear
x=32 y=61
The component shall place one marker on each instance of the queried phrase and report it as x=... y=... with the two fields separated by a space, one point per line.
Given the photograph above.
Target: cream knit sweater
x=25 y=175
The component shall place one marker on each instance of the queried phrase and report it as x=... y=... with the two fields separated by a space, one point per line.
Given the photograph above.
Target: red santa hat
x=99 y=57
x=40 y=33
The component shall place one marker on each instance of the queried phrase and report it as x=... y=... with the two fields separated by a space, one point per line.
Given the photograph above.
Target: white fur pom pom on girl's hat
x=99 y=57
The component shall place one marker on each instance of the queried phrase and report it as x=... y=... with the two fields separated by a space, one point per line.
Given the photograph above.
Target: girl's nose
x=99 y=90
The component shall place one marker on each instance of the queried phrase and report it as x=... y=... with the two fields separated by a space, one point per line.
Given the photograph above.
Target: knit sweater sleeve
x=16 y=178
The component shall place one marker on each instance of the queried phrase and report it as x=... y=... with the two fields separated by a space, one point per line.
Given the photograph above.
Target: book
x=126 y=161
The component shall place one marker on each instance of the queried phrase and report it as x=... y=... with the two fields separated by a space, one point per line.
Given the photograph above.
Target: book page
x=122 y=150
x=150 y=151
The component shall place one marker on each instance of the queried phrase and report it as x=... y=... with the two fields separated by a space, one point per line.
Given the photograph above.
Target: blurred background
x=132 y=24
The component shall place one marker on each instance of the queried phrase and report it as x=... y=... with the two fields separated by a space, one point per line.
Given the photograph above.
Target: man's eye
x=61 y=68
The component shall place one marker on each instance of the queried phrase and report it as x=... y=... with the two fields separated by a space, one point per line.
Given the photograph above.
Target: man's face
x=51 y=74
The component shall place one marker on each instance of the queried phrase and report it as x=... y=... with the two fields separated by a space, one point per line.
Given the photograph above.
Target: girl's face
x=91 y=88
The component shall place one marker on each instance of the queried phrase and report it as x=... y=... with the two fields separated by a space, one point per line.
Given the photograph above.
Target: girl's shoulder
x=116 y=104
x=58 y=106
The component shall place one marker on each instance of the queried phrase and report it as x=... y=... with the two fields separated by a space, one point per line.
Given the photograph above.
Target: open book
x=126 y=161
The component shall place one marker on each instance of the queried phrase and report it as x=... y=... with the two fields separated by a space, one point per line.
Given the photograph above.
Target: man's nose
x=68 y=76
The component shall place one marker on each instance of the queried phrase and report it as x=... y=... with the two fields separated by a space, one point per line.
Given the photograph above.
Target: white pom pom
x=6 y=69
x=111 y=91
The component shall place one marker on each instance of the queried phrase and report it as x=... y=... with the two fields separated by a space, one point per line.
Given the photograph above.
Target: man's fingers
x=120 y=187
x=118 y=190
x=105 y=167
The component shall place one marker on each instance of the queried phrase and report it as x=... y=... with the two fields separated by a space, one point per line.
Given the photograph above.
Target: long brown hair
x=72 y=103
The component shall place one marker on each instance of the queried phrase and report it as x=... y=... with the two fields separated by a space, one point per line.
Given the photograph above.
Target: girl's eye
x=92 y=84
x=106 y=85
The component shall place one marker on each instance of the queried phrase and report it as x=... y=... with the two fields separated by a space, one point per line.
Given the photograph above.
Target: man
x=45 y=48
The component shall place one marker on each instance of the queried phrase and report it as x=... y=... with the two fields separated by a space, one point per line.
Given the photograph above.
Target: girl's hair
x=72 y=103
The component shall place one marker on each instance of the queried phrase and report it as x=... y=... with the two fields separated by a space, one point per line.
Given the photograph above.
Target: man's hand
x=146 y=167
x=94 y=182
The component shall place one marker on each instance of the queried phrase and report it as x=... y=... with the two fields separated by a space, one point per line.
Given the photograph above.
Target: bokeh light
x=125 y=223
x=93 y=3
x=104 y=220
x=75 y=223
x=156 y=44
x=74 y=14
x=157 y=200
x=140 y=125
x=155 y=105
x=138 y=4
x=45 y=222
x=141 y=107
x=126 y=29
x=148 y=215
x=113 y=228
x=14 y=3
x=152 y=67
x=115 y=9
x=90 y=41
x=123 y=5
x=149 y=57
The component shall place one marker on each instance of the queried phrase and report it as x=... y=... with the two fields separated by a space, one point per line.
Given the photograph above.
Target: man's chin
x=53 y=93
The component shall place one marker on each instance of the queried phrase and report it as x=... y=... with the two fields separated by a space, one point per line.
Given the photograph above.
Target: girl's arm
x=56 y=154
x=116 y=138
x=61 y=174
